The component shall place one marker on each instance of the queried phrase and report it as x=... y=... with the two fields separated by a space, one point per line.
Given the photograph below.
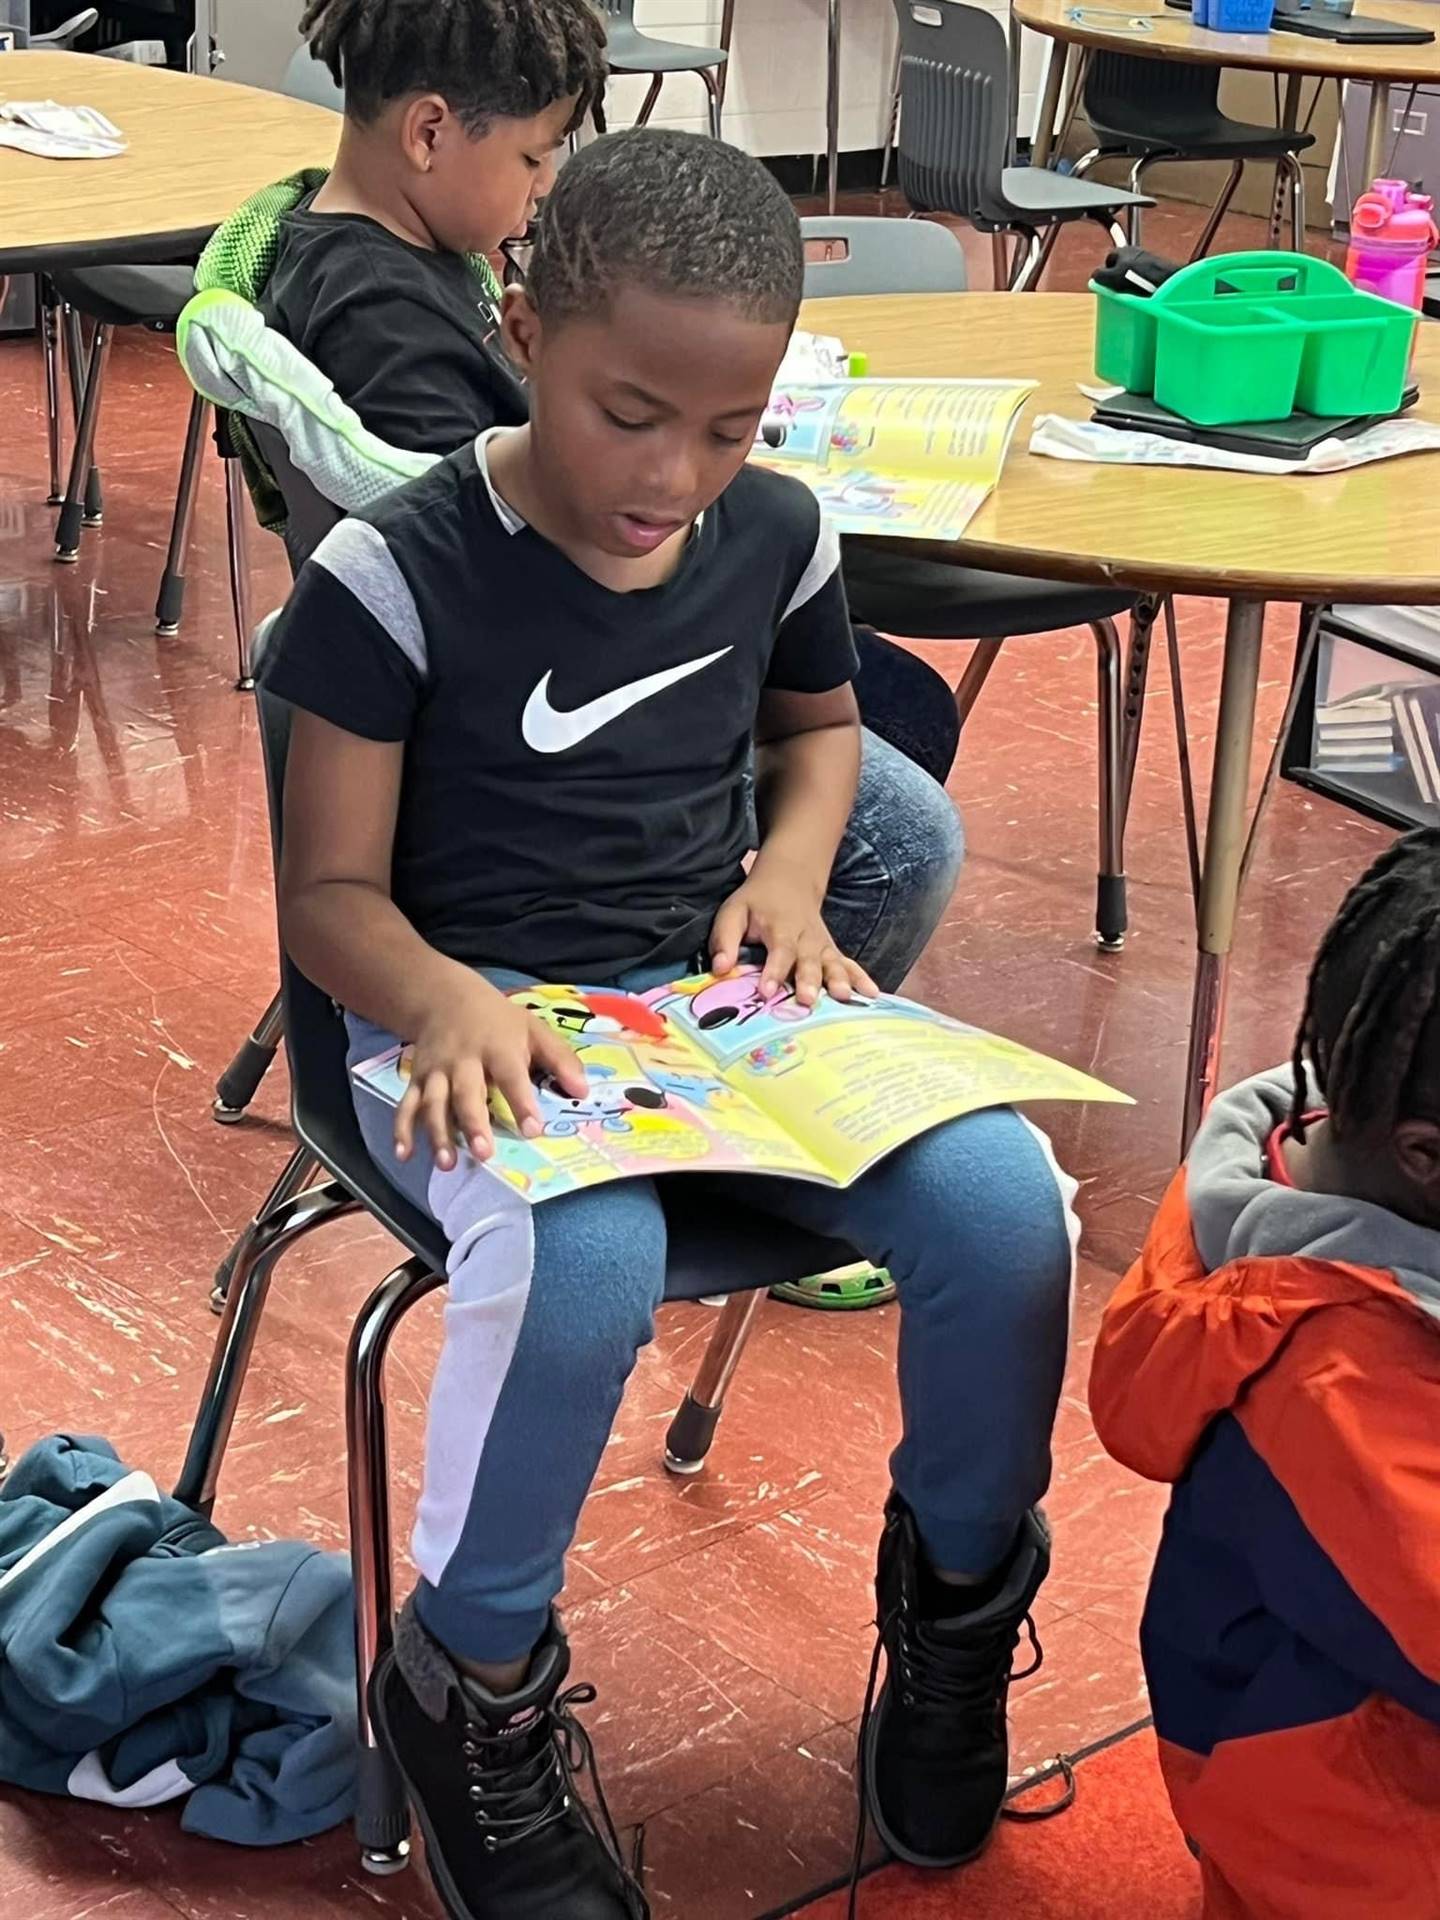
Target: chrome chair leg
x=382 y=1815
x=1294 y=174
x=235 y=1341
x=237 y=527
x=235 y=1088
x=892 y=125
x=47 y=308
x=977 y=671
x=1037 y=253
x=647 y=105
x=1000 y=260
x=690 y=1433
x=296 y=1175
x=77 y=361
x=1110 y=908
x=712 y=88
x=171 y=602
x=1218 y=211
x=73 y=514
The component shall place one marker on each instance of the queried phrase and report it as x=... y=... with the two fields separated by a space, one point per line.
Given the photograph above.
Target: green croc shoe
x=846 y=1290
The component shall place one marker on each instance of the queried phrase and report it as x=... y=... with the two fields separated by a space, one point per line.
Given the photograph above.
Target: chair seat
x=128 y=296
x=1047 y=196
x=1208 y=137
x=922 y=599
x=632 y=52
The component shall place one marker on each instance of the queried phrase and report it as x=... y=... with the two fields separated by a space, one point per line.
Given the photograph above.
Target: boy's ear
x=1416 y=1146
x=422 y=127
x=520 y=329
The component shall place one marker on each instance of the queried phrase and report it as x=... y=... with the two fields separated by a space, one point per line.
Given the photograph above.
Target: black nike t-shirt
x=406 y=335
x=573 y=800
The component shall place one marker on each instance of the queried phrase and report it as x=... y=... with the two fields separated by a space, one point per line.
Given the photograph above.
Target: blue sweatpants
x=547 y=1308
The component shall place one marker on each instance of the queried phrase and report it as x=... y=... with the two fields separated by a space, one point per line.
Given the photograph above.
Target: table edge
x=1073 y=34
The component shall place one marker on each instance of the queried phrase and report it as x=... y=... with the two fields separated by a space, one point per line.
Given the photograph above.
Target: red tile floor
x=724 y=1619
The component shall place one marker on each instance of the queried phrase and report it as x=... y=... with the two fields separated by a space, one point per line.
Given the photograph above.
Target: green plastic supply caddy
x=1255 y=336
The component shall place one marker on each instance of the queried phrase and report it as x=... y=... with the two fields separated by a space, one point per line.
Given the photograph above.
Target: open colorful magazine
x=707 y=1075
x=916 y=459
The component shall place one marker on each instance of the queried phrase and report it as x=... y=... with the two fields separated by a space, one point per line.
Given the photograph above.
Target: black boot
x=935 y=1749
x=493 y=1783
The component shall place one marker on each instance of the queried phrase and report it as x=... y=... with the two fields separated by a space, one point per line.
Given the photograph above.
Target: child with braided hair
x=1275 y=1355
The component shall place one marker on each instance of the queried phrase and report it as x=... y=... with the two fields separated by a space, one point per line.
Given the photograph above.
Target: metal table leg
x=1377 y=134
x=1043 y=144
x=832 y=101
x=1225 y=838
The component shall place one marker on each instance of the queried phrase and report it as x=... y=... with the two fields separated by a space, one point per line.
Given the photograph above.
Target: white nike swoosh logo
x=549 y=731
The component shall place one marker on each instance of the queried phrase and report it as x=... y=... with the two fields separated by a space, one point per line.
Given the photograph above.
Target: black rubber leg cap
x=690 y=1435
x=171 y=604
x=236 y=1087
x=94 y=499
x=1112 y=918
x=68 y=529
x=382 y=1813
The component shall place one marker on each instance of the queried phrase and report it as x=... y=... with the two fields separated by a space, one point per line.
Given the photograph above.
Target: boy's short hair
x=674 y=213
x=487 y=59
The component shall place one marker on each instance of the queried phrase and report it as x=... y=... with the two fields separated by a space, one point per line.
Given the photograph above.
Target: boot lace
x=934 y=1677
x=513 y=1800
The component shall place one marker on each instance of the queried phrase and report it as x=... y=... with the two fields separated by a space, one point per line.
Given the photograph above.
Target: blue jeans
x=895 y=873
x=548 y=1307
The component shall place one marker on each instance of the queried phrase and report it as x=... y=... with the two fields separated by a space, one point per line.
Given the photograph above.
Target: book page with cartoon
x=908 y=458
x=711 y=1075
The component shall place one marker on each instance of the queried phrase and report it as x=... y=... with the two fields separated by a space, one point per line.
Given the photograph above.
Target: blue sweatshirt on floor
x=144 y=1659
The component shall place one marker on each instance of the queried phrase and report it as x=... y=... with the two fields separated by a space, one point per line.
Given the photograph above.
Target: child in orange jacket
x=1275 y=1356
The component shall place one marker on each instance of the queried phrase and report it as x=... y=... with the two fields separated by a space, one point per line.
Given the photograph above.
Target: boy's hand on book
x=475 y=1042
x=777 y=909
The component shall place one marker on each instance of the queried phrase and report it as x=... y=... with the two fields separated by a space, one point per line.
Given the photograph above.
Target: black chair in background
x=956 y=141
x=150 y=298
x=711 y=1239
x=1147 y=111
x=921 y=599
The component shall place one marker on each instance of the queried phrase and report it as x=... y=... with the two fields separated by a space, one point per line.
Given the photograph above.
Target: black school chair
x=903 y=593
x=956 y=141
x=1147 y=111
x=712 y=1238
x=151 y=298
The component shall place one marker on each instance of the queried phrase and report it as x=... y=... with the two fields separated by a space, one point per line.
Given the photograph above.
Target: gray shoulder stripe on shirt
x=355 y=554
x=824 y=561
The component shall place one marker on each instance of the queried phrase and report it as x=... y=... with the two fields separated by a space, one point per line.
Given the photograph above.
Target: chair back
x=62 y=39
x=309 y=515
x=1127 y=96
x=846 y=256
x=316 y=1043
x=307 y=78
x=954 y=141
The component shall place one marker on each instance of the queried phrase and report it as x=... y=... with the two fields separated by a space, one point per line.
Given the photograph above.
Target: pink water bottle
x=1392 y=234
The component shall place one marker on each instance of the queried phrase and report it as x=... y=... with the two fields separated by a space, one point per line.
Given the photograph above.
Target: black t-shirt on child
x=573 y=799
x=407 y=336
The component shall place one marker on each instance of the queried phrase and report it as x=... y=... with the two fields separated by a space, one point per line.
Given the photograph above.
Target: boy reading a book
x=465 y=814
x=1276 y=1356
x=454 y=110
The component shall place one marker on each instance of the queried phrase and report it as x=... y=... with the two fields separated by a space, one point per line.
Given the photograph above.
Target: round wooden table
x=197 y=148
x=1174 y=36
x=1367 y=537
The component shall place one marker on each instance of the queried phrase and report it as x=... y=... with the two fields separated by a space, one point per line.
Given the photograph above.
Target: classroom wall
x=775 y=100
